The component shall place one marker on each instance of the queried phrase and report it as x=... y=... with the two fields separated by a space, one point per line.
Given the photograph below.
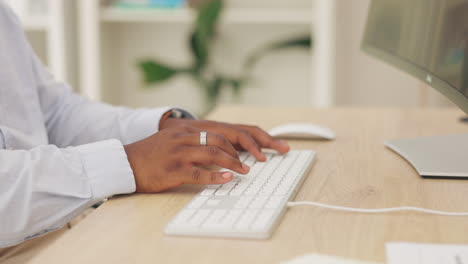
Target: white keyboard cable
x=378 y=210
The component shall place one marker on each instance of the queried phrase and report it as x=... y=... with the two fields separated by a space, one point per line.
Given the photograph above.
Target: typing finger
x=212 y=155
x=247 y=142
x=265 y=140
x=197 y=175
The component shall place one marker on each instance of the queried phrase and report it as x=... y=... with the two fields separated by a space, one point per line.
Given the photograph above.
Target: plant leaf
x=235 y=84
x=205 y=26
x=300 y=42
x=155 y=72
x=199 y=51
x=208 y=16
x=214 y=89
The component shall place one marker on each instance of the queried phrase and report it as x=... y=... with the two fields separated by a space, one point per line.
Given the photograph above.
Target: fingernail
x=246 y=167
x=285 y=143
x=226 y=175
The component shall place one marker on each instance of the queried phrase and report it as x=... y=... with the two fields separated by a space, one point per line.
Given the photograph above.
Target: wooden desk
x=355 y=170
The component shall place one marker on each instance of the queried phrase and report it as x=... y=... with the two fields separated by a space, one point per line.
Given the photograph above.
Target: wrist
x=164 y=119
x=174 y=117
x=133 y=161
x=173 y=122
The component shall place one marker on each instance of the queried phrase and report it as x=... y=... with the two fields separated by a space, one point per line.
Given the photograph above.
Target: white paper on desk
x=414 y=253
x=321 y=259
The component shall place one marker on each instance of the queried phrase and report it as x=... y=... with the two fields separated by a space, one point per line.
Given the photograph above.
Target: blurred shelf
x=186 y=15
x=36 y=22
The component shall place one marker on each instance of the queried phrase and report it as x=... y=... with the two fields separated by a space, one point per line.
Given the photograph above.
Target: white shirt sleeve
x=73 y=120
x=44 y=188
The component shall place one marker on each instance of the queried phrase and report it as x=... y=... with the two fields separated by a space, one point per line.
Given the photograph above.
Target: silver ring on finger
x=203 y=138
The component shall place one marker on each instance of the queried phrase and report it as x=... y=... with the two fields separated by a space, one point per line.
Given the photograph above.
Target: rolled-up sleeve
x=44 y=188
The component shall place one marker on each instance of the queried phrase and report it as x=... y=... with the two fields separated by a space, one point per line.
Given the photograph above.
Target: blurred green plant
x=201 y=41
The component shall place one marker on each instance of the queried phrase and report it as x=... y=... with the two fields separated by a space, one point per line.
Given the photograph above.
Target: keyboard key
x=232 y=217
x=282 y=190
x=198 y=217
x=243 y=202
x=250 y=161
x=213 y=202
x=263 y=219
x=208 y=192
x=197 y=202
x=240 y=187
x=243 y=156
x=275 y=202
x=213 y=221
x=222 y=219
x=268 y=189
x=246 y=219
x=256 y=170
x=258 y=202
x=226 y=188
x=223 y=192
x=253 y=189
x=269 y=170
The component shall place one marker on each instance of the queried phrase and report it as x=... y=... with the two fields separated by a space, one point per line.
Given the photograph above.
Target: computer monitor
x=426 y=38
x=429 y=40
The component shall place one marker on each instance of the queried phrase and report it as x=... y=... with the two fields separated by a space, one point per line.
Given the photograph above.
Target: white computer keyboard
x=250 y=206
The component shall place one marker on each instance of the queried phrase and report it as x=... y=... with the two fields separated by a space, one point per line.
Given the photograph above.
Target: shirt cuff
x=2 y=140
x=183 y=114
x=145 y=122
x=106 y=165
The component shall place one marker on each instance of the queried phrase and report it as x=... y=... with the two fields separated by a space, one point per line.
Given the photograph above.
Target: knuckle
x=224 y=141
x=178 y=128
x=196 y=174
x=265 y=138
x=178 y=148
x=268 y=136
x=254 y=146
x=219 y=138
x=175 y=132
x=251 y=142
x=183 y=128
x=256 y=128
x=173 y=166
x=244 y=134
x=213 y=151
x=242 y=130
x=178 y=135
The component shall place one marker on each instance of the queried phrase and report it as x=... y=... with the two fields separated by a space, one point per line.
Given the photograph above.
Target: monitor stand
x=435 y=157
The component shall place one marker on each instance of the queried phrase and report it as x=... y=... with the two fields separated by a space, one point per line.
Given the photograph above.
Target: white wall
x=48 y=45
x=364 y=80
x=38 y=41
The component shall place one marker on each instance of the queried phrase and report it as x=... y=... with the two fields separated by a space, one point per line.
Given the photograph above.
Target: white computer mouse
x=302 y=131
